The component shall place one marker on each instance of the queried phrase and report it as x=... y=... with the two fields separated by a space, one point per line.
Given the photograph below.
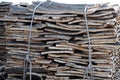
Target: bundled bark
x=59 y=43
x=117 y=55
x=4 y=10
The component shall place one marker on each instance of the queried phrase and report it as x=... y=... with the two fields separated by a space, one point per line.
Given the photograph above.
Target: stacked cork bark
x=117 y=52
x=59 y=43
x=4 y=10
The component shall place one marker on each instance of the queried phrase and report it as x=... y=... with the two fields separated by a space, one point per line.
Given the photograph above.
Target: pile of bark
x=59 y=43
x=4 y=11
x=117 y=61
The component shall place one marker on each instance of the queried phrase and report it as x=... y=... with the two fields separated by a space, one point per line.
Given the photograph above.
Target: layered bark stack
x=117 y=59
x=4 y=11
x=59 y=43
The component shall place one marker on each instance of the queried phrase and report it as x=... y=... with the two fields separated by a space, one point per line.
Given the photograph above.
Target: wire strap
x=27 y=58
x=89 y=69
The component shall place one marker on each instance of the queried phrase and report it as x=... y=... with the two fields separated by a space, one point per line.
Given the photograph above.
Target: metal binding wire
x=27 y=59
x=90 y=66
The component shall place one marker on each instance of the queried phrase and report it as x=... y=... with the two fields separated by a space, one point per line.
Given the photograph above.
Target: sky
x=68 y=1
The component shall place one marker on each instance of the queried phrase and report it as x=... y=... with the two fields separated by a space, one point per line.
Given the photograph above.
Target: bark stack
x=59 y=43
